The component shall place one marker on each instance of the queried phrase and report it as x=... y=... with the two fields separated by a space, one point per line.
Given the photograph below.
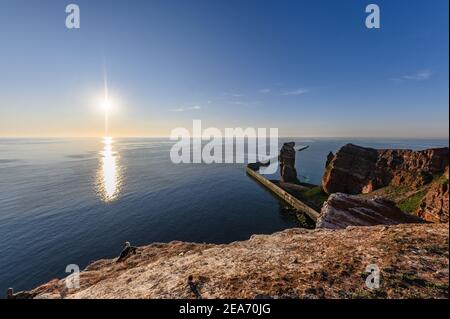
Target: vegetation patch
x=395 y=193
x=410 y=204
x=440 y=179
x=304 y=221
x=315 y=196
x=407 y=199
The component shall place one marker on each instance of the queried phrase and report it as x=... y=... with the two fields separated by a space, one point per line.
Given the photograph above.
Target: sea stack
x=287 y=163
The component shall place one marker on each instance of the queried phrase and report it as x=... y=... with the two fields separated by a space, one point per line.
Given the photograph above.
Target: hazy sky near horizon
x=310 y=68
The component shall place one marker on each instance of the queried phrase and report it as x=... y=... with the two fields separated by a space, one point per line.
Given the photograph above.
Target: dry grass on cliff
x=295 y=263
x=407 y=198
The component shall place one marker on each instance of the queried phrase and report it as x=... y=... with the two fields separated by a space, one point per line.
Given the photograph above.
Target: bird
x=126 y=252
x=10 y=294
x=194 y=287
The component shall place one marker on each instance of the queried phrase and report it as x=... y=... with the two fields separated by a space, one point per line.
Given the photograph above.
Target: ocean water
x=72 y=201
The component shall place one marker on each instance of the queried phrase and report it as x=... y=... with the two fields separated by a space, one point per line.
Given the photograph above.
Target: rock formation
x=296 y=263
x=342 y=210
x=434 y=206
x=330 y=157
x=287 y=163
x=355 y=169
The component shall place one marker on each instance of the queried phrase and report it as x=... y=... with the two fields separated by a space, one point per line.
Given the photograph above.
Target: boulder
x=343 y=210
x=355 y=169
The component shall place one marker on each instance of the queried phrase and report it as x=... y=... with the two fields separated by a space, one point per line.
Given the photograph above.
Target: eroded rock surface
x=296 y=263
x=342 y=210
x=435 y=205
x=355 y=169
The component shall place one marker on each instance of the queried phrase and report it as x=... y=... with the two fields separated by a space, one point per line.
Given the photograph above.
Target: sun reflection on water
x=109 y=174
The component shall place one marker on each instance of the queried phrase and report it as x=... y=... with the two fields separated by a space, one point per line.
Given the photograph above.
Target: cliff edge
x=296 y=263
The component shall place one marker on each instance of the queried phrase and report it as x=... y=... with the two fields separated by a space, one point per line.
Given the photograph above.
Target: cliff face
x=434 y=206
x=296 y=263
x=355 y=169
x=342 y=210
x=407 y=177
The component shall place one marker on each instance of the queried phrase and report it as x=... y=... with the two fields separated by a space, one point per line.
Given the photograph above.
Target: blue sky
x=310 y=68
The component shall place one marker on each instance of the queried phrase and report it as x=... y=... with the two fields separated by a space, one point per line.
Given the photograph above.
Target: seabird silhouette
x=194 y=287
x=126 y=252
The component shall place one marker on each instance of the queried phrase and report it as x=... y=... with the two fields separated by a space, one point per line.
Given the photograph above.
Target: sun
x=105 y=104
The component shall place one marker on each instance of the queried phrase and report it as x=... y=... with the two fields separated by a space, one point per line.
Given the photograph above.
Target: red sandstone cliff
x=434 y=206
x=410 y=178
x=355 y=169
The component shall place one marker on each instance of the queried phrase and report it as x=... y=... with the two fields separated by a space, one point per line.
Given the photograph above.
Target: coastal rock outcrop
x=342 y=210
x=295 y=263
x=355 y=169
x=435 y=205
x=287 y=163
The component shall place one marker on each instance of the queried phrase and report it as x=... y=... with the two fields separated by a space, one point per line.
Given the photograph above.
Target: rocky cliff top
x=296 y=263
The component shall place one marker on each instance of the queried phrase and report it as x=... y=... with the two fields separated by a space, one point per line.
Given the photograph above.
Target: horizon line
x=168 y=137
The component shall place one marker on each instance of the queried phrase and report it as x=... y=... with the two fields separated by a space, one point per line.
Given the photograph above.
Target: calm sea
x=72 y=201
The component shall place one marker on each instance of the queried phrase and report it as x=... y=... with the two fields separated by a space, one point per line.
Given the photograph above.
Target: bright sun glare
x=106 y=105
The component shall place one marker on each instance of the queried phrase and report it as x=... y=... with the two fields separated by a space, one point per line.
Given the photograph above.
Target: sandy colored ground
x=295 y=263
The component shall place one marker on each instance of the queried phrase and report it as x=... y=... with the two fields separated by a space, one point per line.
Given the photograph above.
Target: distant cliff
x=355 y=169
x=416 y=180
x=296 y=263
